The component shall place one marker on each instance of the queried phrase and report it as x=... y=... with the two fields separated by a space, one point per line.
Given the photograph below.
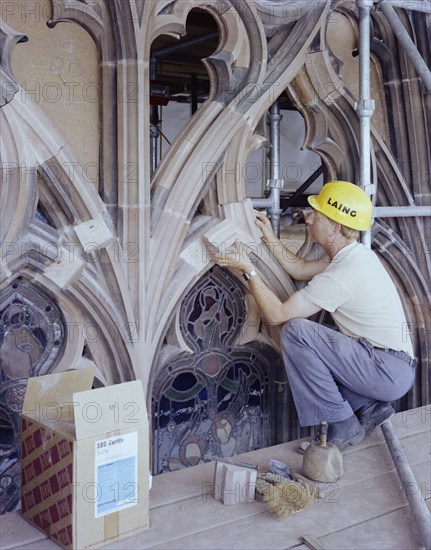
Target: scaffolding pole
x=365 y=105
x=410 y=486
x=401 y=211
x=275 y=183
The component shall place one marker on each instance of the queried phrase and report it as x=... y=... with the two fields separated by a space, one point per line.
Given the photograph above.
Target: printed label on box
x=116 y=461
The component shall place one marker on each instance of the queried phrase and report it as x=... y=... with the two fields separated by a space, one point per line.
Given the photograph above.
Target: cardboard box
x=85 y=459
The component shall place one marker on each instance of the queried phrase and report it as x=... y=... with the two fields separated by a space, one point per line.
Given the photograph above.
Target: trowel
x=323 y=461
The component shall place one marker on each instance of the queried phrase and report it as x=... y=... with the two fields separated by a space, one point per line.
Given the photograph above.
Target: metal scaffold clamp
x=275 y=183
x=370 y=189
x=365 y=107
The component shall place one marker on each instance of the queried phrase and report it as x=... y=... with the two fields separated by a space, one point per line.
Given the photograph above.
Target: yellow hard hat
x=344 y=203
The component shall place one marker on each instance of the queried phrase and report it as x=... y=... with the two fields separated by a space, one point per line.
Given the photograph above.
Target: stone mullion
x=125 y=140
x=414 y=289
x=108 y=186
x=411 y=110
x=130 y=168
x=394 y=90
x=134 y=198
x=422 y=128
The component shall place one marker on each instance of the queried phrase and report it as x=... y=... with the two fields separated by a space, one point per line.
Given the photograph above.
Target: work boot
x=374 y=415
x=346 y=432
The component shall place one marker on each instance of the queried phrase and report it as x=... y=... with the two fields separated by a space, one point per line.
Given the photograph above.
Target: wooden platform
x=366 y=509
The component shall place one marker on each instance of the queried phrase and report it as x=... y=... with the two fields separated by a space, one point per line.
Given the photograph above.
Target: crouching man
x=347 y=376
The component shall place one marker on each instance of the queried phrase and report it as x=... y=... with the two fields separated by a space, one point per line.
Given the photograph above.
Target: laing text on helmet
x=342 y=208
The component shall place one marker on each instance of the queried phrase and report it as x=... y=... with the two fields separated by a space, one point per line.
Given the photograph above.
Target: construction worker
x=350 y=375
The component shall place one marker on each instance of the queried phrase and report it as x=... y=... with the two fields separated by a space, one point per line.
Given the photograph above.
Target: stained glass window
x=214 y=402
x=32 y=334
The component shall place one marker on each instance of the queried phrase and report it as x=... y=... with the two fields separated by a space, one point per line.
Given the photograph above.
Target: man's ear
x=335 y=229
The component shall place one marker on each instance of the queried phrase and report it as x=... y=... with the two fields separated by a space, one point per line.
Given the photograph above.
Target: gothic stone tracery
x=118 y=254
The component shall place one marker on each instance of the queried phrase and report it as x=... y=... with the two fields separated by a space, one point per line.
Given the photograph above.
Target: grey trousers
x=332 y=375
